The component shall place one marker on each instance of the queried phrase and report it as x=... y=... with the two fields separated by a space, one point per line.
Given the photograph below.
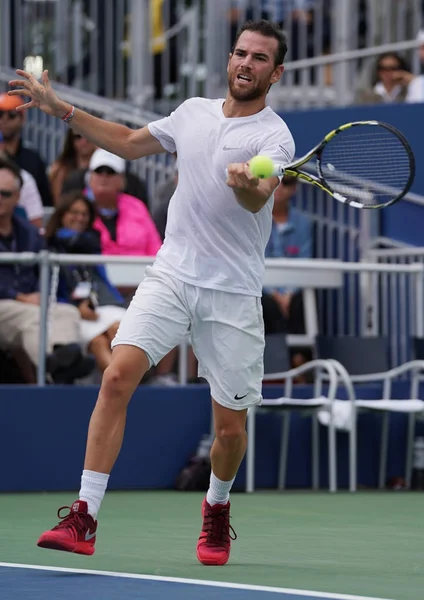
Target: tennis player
x=206 y=279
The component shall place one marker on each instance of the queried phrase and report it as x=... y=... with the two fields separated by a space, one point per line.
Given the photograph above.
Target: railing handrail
x=329 y=59
x=108 y=105
x=389 y=252
x=127 y=110
x=284 y=263
x=367 y=184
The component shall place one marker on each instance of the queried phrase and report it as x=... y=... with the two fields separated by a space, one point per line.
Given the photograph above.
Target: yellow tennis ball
x=261 y=166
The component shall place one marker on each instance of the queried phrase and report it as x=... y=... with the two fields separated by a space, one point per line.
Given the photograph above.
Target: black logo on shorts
x=237 y=397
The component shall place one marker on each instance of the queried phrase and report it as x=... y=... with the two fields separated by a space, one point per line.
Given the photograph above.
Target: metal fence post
x=44 y=309
x=419 y=301
x=342 y=22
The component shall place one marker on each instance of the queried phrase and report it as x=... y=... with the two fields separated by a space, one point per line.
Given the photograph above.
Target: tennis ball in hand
x=261 y=166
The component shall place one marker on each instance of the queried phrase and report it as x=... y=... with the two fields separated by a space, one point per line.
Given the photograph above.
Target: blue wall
x=43 y=433
x=402 y=221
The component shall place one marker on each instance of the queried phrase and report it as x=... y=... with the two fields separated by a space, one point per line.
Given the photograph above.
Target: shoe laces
x=217 y=526
x=73 y=519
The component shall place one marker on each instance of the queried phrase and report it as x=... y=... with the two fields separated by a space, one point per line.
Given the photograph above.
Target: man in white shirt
x=207 y=277
x=415 y=83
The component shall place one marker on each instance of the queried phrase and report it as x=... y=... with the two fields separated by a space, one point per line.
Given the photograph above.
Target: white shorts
x=226 y=332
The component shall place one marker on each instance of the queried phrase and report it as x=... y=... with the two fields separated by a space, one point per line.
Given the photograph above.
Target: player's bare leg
x=107 y=424
x=77 y=530
x=230 y=442
x=227 y=452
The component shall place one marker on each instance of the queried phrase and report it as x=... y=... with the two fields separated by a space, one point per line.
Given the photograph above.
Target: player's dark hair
x=9 y=165
x=267 y=29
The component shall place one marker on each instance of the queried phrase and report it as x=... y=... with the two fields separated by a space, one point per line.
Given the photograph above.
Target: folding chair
x=366 y=359
x=277 y=367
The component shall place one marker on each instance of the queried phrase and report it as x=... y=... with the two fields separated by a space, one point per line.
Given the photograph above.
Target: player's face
x=251 y=68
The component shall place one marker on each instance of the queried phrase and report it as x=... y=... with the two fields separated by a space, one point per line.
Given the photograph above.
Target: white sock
x=93 y=488
x=219 y=491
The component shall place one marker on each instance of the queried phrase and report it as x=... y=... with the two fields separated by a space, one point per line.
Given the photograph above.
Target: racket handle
x=278 y=170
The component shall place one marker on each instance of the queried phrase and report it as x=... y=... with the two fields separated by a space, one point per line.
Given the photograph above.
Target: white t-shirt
x=30 y=198
x=210 y=240
x=415 y=90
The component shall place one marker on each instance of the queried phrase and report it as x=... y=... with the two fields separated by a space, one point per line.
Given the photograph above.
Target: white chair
x=365 y=360
x=276 y=355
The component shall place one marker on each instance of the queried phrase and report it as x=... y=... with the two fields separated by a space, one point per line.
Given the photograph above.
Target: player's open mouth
x=244 y=78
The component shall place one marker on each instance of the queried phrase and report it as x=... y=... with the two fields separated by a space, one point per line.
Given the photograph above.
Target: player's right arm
x=116 y=138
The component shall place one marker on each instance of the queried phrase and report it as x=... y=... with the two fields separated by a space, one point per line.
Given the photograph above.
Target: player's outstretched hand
x=240 y=177
x=41 y=94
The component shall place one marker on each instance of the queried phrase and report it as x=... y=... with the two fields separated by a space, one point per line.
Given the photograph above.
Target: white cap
x=420 y=37
x=102 y=158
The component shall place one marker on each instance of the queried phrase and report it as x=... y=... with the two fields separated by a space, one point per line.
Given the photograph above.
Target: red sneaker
x=76 y=532
x=214 y=545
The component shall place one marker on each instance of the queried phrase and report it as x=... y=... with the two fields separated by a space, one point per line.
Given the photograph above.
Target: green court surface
x=365 y=544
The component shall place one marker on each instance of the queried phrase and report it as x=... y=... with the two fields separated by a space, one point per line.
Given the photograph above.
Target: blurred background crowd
x=133 y=61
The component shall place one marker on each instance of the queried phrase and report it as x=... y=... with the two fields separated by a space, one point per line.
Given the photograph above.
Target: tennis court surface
x=293 y=546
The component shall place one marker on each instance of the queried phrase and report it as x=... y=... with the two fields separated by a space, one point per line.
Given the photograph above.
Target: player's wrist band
x=69 y=115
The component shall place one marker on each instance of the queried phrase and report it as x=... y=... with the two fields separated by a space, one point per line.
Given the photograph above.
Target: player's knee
x=116 y=387
x=230 y=434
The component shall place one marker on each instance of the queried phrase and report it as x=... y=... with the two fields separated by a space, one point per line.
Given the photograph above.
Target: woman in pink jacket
x=124 y=223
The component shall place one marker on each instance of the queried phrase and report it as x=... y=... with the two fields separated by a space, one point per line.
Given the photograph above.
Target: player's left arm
x=251 y=192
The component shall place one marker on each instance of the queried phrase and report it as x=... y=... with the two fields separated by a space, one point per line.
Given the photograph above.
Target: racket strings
x=370 y=164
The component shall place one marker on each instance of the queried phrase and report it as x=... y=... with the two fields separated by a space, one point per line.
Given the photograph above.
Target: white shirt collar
x=387 y=96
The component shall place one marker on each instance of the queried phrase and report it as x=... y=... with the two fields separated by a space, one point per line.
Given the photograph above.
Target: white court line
x=221 y=584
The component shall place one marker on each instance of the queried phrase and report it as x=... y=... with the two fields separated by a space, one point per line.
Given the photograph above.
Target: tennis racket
x=366 y=164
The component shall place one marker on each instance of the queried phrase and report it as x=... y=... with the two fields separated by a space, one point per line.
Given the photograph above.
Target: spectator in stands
x=70 y=230
x=11 y=126
x=390 y=81
x=160 y=203
x=30 y=205
x=124 y=223
x=77 y=179
x=416 y=83
x=291 y=237
x=20 y=297
x=75 y=157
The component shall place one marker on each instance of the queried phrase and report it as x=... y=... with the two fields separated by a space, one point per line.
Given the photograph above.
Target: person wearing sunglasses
x=75 y=157
x=124 y=223
x=20 y=296
x=390 y=82
x=30 y=205
x=11 y=128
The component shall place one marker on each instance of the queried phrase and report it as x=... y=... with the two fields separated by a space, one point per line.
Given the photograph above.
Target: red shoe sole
x=78 y=548
x=212 y=562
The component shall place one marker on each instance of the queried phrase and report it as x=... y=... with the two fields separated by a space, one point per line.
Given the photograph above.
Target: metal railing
x=387 y=295
x=159 y=52
x=359 y=311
